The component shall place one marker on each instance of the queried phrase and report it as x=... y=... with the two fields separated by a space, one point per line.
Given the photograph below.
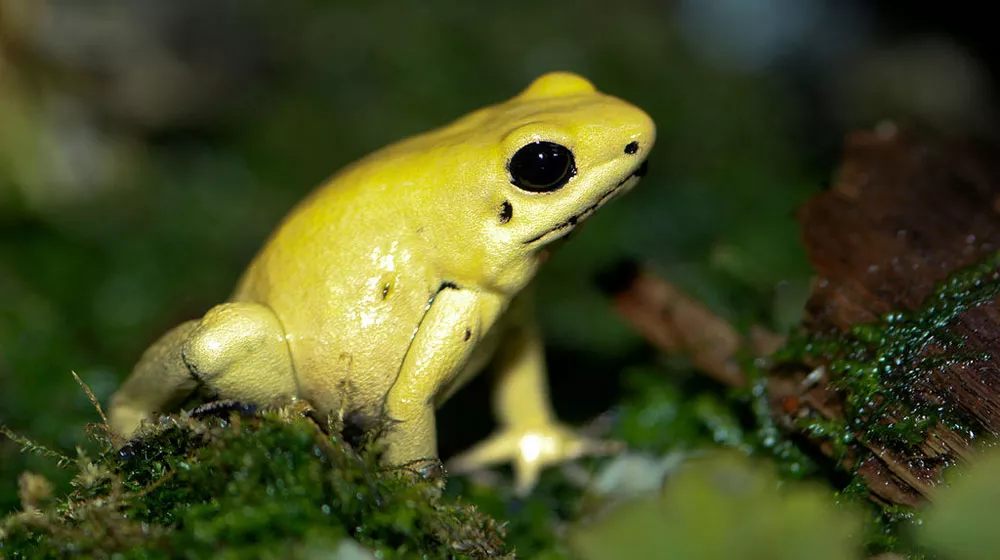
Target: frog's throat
x=577 y=218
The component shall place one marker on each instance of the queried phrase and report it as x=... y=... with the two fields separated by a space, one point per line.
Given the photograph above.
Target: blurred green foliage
x=724 y=506
x=961 y=525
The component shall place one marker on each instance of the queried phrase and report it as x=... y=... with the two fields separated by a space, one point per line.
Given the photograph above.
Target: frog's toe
x=126 y=419
x=530 y=451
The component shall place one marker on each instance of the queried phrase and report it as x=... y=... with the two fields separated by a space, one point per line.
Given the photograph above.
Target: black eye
x=542 y=167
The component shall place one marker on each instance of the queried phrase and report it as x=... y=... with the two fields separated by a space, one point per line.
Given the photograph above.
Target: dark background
x=147 y=148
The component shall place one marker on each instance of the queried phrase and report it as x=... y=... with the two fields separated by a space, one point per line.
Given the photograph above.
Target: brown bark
x=903 y=215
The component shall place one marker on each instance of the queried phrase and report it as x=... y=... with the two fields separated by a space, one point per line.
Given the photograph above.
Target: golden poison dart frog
x=404 y=275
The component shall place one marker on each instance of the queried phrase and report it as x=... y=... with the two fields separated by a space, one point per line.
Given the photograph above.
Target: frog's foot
x=530 y=450
x=126 y=420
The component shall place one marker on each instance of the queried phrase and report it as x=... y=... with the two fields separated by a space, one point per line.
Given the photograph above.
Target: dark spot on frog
x=385 y=291
x=448 y=285
x=360 y=426
x=631 y=147
x=468 y=335
x=506 y=212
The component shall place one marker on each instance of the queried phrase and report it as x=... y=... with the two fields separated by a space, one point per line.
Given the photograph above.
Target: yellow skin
x=397 y=280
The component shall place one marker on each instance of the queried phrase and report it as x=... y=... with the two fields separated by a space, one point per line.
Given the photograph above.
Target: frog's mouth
x=577 y=218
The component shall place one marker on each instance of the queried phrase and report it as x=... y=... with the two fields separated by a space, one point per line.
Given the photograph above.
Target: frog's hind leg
x=237 y=350
x=160 y=381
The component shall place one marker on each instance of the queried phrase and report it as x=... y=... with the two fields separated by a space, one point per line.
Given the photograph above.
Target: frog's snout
x=632 y=148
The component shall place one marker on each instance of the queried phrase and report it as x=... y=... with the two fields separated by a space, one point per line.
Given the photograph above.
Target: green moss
x=887 y=528
x=961 y=524
x=658 y=416
x=532 y=523
x=256 y=485
x=768 y=437
x=880 y=367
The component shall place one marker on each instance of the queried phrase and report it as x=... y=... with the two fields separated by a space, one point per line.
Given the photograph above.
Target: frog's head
x=568 y=150
x=521 y=174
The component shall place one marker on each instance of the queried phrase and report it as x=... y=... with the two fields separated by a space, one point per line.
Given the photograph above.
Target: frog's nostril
x=642 y=169
x=631 y=147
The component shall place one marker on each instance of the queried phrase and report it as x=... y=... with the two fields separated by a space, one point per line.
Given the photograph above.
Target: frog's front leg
x=445 y=339
x=237 y=350
x=529 y=434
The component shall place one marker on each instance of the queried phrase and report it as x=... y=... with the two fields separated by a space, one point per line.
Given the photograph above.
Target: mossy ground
x=246 y=484
x=239 y=482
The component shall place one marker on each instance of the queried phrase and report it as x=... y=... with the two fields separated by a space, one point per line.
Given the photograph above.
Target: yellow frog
x=396 y=281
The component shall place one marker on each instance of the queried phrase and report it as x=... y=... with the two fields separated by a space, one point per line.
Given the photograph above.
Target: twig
x=677 y=324
x=92 y=396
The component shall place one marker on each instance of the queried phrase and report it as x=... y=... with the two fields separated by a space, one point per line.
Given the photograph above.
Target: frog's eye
x=542 y=167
